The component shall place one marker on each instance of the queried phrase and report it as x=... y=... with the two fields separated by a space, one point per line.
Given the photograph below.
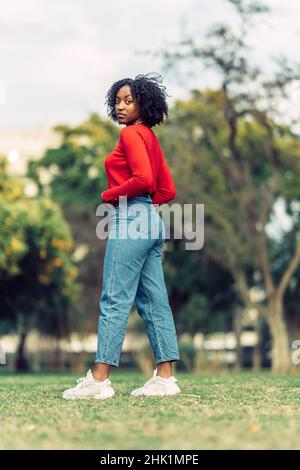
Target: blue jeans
x=133 y=273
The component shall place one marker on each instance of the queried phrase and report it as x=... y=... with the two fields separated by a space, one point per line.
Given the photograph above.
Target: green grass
x=224 y=411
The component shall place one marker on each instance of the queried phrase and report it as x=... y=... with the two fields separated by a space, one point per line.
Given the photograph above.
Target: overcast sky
x=59 y=57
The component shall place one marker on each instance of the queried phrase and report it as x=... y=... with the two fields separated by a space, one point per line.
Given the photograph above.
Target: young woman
x=132 y=270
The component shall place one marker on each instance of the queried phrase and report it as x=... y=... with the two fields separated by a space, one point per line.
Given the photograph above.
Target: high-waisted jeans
x=133 y=273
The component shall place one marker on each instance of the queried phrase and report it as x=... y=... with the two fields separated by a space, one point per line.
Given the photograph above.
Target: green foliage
x=75 y=170
x=194 y=315
x=37 y=276
x=232 y=187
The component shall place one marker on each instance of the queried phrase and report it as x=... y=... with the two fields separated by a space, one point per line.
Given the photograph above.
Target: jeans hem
x=167 y=360
x=97 y=361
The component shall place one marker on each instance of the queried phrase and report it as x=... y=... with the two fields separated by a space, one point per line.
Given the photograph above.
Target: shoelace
x=155 y=380
x=80 y=382
x=84 y=381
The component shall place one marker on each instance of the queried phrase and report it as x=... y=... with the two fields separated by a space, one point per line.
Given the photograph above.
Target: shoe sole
x=156 y=395
x=93 y=397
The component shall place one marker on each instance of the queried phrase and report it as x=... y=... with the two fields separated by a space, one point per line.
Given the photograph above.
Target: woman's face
x=127 y=109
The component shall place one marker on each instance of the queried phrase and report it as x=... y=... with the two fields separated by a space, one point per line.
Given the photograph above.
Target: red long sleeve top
x=137 y=165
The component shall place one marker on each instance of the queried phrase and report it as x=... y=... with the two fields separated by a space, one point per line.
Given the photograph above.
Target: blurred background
x=232 y=142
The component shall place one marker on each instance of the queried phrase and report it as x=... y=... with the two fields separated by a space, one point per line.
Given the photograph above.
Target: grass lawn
x=224 y=411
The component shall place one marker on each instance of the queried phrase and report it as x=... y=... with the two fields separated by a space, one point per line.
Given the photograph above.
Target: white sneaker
x=157 y=386
x=87 y=387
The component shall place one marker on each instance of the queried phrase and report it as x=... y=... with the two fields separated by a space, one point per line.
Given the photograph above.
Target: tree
x=256 y=161
x=37 y=276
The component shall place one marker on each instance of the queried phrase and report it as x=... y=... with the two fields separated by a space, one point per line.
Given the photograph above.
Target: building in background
x=21 y=145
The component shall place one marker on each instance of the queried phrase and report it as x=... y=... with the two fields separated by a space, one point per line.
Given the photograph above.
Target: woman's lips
x=121 y=115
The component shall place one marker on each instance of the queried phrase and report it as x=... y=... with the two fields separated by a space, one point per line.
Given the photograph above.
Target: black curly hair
x=150 y=94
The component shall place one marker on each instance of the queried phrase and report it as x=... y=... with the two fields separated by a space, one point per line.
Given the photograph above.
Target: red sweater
x=137 y=165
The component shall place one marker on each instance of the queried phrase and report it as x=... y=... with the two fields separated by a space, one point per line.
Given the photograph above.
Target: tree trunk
x=257 y=350
x=57 y=356
x=281 y=356
x=21 y=363
x=238 y=333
